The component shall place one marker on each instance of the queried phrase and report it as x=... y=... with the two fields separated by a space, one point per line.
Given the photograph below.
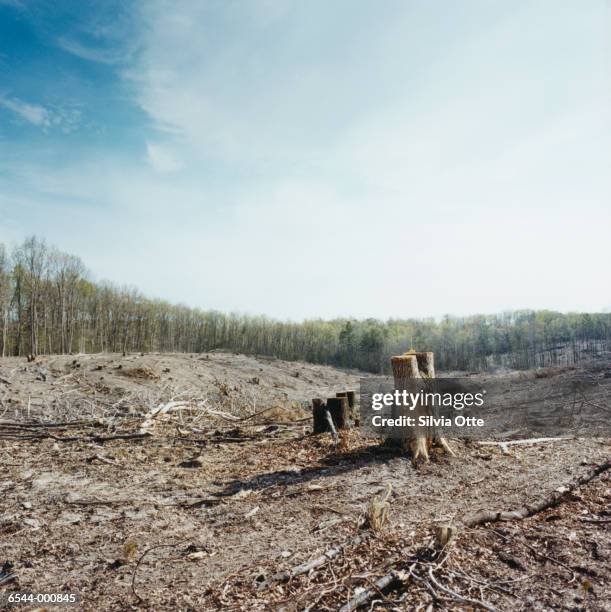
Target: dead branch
x=98 y=457
x=492 y=516
x=98 y=439
x=394 y=577
x=526 y=441
x=58 y=425
x=594 y=521
x=305 y=568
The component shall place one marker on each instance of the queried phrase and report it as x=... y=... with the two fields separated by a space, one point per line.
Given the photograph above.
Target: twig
x=595 y=521
x=103 y=459
x=525 y=441
x=304 y=568
x=376 y=588
x=460 y=598
x=146 y=552
x=539 y=554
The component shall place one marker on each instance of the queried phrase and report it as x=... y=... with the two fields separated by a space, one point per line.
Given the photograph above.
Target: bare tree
x=5 y=296
x=47 y=304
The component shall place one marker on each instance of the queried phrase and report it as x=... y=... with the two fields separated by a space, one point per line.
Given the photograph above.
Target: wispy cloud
x=32 y=113
x=93 y=54
x=66 y=118
x=14 y=3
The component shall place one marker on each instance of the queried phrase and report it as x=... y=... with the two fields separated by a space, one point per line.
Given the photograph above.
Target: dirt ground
x=206 y=503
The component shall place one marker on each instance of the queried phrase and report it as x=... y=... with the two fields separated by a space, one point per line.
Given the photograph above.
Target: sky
x=403 y=158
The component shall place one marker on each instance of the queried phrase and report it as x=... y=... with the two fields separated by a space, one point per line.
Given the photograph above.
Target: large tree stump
x=426 y=362
x=407 y=369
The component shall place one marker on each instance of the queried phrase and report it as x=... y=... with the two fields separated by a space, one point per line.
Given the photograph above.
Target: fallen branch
x=379 y=585
x=398 y=578
x=492 y=516
x=60 y=425
x=525 y=441
x=98 y=439
x=103 y=459
x=101 y=502
x=305 y=568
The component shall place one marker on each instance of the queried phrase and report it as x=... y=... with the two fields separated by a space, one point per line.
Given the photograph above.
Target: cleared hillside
x=178 y=482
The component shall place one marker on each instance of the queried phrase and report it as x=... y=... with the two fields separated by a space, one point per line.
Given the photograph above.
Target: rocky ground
x=192 y=482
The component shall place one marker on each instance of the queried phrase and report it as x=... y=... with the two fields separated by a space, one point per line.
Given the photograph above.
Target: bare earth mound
x=191 y=482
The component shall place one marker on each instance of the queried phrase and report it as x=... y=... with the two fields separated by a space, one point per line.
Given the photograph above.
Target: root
x=419 y=447
x=444 y=444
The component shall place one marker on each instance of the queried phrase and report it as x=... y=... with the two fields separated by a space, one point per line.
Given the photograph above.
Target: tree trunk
x=407 y=369
x=4 y=331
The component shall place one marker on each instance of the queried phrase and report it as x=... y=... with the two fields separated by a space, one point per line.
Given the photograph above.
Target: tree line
x=49 y=304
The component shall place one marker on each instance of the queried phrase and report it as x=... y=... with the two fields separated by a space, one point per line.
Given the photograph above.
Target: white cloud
x=391 y=161
x=14 y=3
x=161 y=158
x=66 y=117
x=93 y=54
x=32 y=113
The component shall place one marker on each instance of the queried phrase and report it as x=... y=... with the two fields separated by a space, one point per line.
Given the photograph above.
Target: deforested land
x=162 y=457
x=194 y=482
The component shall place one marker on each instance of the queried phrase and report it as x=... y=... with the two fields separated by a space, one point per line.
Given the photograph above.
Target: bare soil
x=228 y=488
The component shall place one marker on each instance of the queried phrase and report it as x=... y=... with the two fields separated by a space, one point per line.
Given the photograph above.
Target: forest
x=49 y=304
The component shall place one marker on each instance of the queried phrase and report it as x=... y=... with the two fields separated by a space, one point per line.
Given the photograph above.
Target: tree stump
x=338 y=407
x=426 y=362
x=352 y=412
x=319 y=418
x=407 y=369
x=351 y=395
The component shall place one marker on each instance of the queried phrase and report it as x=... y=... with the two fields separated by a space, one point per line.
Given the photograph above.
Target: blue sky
x=303 y=159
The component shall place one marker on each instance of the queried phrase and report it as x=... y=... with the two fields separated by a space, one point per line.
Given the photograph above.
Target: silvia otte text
x=426 y=421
